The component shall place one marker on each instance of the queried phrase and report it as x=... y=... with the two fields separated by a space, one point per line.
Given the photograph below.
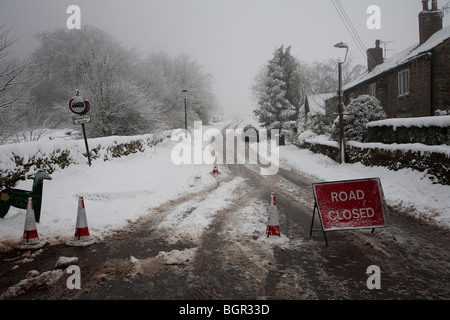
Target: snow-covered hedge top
x=412 y=147
x=437 y=121
x=43 y=149
x=322 y=139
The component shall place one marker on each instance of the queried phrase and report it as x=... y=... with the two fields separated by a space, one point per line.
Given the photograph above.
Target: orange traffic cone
x=215 y=168
x=273 y=225
x=30 y=238
x=82 y=236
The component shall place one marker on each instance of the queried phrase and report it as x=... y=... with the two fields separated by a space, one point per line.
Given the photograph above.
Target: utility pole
x=341 y=45
x=185 y=111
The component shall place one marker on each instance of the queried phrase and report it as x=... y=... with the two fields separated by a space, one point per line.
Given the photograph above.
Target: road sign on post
x=350 y=204
x=80 y=106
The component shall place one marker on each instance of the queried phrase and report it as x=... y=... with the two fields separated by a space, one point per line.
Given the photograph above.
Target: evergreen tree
x=277 y=91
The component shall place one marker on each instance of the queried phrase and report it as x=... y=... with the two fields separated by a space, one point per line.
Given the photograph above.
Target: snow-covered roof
x=316 y=102
x=403 y=57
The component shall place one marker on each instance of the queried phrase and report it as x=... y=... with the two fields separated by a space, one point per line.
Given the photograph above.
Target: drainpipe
x=430 y=57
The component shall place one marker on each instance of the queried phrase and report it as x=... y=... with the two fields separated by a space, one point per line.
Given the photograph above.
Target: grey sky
x=232 y=39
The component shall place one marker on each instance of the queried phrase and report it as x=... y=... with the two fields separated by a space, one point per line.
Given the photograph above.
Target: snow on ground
x=114 y=193
x=124 y=189
x=189 y=220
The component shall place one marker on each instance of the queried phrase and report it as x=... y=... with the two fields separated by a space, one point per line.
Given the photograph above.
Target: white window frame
x=373 y=89
x=403 y=82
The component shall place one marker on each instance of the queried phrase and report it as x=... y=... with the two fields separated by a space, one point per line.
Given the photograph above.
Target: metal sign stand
x=312 y=223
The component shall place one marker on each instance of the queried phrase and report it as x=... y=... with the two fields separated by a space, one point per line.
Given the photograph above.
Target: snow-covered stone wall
x=421 y=144
x=426 y=130
x=434 y=160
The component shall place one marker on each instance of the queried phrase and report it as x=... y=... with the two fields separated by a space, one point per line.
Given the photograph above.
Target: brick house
x=414 y=82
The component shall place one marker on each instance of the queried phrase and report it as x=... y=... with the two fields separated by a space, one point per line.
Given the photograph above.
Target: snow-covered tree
x=91 y=61
x=16 y=82
x=358 y=113
x=277 y=91
x=166 y=77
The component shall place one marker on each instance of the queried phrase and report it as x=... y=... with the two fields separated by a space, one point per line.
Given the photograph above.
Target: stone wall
x=427 y=135
x=434 y=162
x=426 y=130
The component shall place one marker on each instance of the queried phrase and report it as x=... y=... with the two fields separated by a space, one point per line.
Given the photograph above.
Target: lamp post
x=341 y=45
x=185 y=111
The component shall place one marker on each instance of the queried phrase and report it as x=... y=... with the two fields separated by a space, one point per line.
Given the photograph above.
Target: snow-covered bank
x=407 y=188
x=114 y=191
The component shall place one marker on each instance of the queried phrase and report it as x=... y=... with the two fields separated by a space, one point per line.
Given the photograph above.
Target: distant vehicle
x=250 y=134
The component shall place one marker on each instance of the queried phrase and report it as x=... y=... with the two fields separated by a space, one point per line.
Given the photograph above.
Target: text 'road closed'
x=350 y=204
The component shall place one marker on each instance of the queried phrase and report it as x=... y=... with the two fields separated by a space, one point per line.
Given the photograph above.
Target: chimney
x=430 y=20
x=434 y=5
x=374 y=56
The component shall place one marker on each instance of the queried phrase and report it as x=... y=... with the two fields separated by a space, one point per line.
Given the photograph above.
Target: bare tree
x=16 y=82
x=32 y=125
x=322 y=76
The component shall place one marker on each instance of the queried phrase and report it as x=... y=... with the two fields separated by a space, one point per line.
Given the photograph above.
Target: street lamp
x=341 y=45
x=185 y=111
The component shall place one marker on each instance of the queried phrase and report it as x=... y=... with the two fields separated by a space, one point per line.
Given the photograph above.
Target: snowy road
x=211 y=244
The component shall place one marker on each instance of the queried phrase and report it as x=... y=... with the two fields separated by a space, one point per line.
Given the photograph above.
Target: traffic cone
x=273 y=225
x=215 y=168
x=82 y=236
x=30 y=238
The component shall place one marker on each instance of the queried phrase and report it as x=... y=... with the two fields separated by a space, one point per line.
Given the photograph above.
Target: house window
x=373 y=89
x=403 y=82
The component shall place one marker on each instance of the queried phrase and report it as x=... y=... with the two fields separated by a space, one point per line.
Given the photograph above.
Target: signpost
x=81 y=106
x=350 y=204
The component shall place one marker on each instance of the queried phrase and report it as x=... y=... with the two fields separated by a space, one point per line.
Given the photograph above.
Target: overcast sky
x=231 y=39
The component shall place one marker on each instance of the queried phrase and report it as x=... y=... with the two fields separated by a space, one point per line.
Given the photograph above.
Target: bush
x=357 y=114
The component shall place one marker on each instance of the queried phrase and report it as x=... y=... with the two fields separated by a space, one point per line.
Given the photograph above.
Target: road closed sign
x=351 y=204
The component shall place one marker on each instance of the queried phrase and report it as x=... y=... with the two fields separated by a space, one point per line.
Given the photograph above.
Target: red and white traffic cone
x=273 y=224
x=215 y=168
x=30 y=238
x=82 y=236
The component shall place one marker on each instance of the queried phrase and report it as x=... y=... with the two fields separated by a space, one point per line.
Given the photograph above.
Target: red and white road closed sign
x=351 y=204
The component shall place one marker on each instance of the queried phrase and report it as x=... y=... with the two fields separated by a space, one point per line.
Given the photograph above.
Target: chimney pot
x=425 y=5
x=434 y=5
